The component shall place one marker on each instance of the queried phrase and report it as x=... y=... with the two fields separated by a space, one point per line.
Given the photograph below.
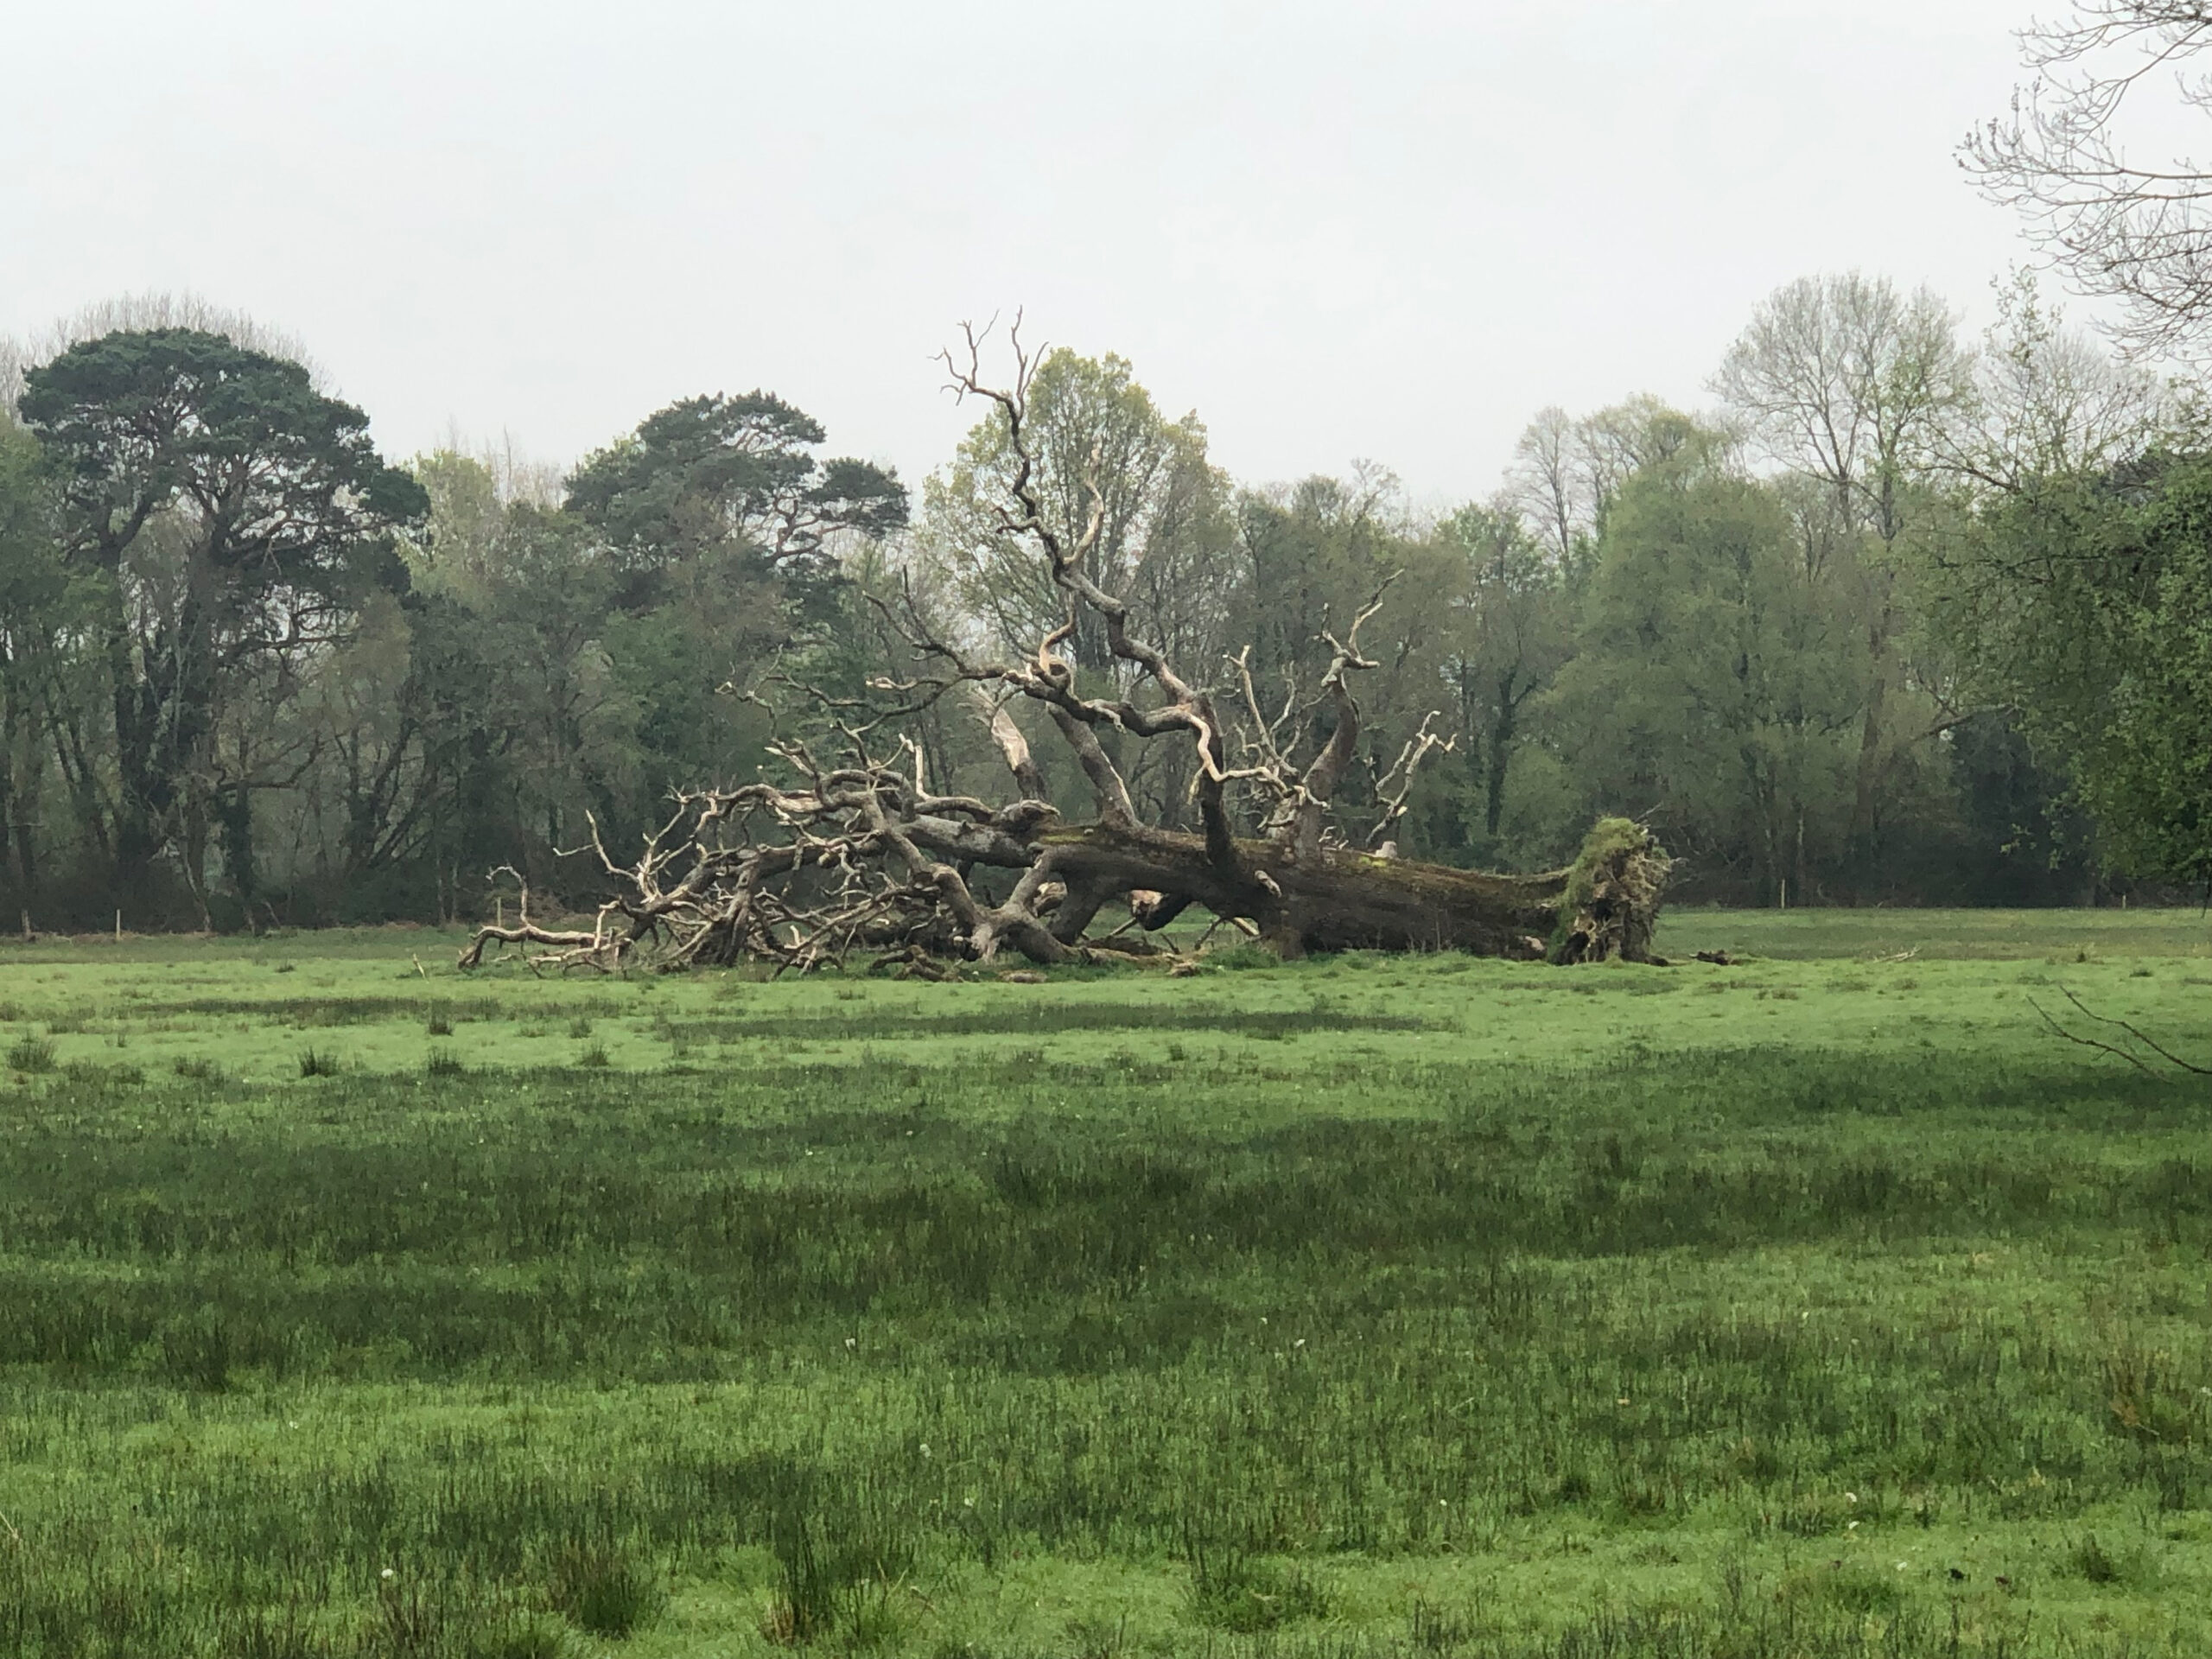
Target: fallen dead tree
x=853 y=851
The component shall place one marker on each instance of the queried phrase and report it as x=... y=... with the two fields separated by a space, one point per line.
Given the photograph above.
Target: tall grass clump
x=604 y=1591
x=1231 y=1590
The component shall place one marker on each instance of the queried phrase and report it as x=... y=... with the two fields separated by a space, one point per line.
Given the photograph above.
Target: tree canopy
x=1906 y=616
x=234 y=519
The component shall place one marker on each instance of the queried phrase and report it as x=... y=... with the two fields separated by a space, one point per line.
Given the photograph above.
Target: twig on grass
x=2135 y=1061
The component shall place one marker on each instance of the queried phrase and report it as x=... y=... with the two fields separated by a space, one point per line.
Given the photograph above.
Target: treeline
x=253 y=672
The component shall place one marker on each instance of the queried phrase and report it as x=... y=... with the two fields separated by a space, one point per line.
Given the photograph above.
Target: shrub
x=314 y=1063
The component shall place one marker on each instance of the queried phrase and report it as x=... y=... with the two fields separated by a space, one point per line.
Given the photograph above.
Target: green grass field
x=1821 y=1304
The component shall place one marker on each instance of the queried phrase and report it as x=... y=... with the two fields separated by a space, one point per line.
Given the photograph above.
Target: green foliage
x=1511 y=636
x=375 y=685
x=2089 y=600
x=1721 y=681
x=135 y=416
x=838 y=1561
x=1244 y=954
x=44 y=606
x=713 y=476
x=31 y=1053
x=1855 y=1591
x=1162 y=530
x=192 y=466
x=196 y=1351
x=1608 y=837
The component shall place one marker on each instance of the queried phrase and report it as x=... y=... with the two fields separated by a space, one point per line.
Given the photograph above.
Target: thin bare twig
x=2149 y=1042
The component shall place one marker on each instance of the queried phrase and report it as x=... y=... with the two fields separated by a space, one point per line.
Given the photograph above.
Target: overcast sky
x=1389 y=231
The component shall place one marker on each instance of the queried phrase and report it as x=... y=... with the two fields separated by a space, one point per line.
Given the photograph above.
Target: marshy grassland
x=1822 y=1303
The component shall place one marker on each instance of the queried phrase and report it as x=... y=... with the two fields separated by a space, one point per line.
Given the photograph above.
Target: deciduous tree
x=1858 y=386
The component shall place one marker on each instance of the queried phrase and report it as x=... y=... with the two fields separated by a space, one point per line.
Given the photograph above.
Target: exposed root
x=1610 y=908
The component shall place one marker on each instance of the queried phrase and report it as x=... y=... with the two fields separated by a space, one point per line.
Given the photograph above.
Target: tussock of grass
x=1233 y=1591
x=600 y=1589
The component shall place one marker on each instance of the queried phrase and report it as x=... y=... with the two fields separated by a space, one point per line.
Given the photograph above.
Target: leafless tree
x=1851 y=382
x=2119 y=226
x=1542 y=483
x=2051 y=400
x=855 y=848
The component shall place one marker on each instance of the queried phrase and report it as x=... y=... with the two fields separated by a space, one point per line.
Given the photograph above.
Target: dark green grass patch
x=1039 y=1016
x=320 y=1011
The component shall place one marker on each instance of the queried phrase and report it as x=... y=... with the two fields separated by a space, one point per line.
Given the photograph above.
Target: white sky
x=1389 y=231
